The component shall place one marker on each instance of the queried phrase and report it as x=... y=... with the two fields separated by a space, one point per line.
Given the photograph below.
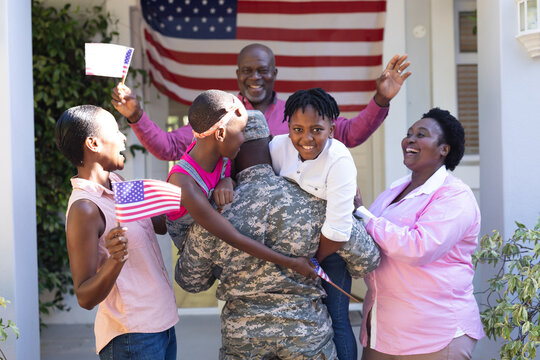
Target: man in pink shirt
x=256 y=75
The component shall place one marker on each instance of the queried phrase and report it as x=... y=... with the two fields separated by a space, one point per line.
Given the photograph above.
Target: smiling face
x=112 y=142
x=309 y=132
x=256 y=75
x=422 y=150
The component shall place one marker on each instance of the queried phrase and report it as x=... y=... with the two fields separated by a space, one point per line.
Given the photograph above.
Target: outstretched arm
x=84 y=227
x=163 y=145
x=353 y=132
x=194 y=200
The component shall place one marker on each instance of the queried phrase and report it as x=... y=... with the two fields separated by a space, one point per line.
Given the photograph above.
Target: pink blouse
x=421 y=294
x=142 y=298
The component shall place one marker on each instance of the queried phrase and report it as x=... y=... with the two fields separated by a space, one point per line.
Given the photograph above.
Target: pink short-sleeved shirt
x=142 y=298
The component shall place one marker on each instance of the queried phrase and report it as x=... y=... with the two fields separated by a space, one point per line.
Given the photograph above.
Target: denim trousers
x=338 y=306
x=141 y=346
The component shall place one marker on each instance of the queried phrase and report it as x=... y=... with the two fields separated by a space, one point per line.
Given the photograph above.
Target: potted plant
x=513 y=298
x=3 y=328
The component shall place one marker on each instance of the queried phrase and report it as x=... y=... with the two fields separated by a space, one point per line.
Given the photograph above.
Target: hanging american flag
x=107 y=59
x=193 y=45
x=140 y=199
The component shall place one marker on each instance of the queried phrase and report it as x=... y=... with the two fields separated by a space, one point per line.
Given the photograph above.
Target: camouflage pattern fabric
x=264 y=300
x=293 y=348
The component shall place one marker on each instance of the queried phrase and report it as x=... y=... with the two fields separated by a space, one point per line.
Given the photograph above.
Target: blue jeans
x=338 y=306
x=141 y=346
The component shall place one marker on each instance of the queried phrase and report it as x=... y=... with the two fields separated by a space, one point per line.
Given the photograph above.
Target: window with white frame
x=467 y=72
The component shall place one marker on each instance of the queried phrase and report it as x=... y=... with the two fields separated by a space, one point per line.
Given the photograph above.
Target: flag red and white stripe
x=140 y=199
x=320 y=272
x=336 y=45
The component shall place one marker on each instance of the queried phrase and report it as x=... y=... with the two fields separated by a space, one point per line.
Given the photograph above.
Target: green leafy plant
x=4 y=327
x=58 y=38
x=513 y=297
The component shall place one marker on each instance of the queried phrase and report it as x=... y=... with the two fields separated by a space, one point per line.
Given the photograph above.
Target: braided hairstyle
x=321 y=101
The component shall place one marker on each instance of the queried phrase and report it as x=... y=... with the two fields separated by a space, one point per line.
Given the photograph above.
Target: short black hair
x=208 y=108
x=321 y=101
x=72 y=129
x=453 y=135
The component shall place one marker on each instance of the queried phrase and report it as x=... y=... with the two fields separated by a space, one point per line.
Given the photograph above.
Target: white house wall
x=18 y=246
x=509 y=111
x=509 y=87
x=395 y=125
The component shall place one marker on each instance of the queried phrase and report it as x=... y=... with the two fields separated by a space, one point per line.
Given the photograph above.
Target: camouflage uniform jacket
x=264 y=299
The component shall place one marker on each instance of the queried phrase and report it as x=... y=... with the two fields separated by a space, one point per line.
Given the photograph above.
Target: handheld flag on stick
x=325 y=277
x=107 y=59
x=141 y=199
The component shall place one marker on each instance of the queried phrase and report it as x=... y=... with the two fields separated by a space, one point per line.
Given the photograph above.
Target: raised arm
x=353 y=132
x=194 y=200
x=162 y=144
x=84 y=227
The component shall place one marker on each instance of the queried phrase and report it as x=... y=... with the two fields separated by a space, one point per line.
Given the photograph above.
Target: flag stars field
x=334 y=45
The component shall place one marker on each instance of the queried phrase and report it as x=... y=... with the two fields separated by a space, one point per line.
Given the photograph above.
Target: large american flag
x=192 y=45
x=140 y=199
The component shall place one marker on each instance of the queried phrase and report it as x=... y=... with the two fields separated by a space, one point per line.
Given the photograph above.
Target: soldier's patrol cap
x=257 y=127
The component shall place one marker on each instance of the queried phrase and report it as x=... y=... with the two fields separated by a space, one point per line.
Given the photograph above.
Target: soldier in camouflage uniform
x=270 y=312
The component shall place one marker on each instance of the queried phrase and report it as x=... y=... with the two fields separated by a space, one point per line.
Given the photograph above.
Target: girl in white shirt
x=322 y=166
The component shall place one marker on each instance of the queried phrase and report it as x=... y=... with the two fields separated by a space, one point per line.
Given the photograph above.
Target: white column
x=395 y=125
x=509 y=107
x=509 y=124
x=18 y=251
x=443 y=56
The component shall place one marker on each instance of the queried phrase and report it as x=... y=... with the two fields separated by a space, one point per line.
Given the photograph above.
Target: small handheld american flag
x=320 y=272
x=107 y=59
x=141 y=199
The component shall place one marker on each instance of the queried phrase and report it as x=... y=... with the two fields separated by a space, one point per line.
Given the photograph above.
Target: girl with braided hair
x=322 y=166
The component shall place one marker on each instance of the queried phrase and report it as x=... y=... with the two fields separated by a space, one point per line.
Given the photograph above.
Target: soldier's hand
x=304 y=266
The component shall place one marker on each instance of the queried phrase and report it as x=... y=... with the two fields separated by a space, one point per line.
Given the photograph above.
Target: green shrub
x=4 y=327
x=513 y=298
x=58 y=38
